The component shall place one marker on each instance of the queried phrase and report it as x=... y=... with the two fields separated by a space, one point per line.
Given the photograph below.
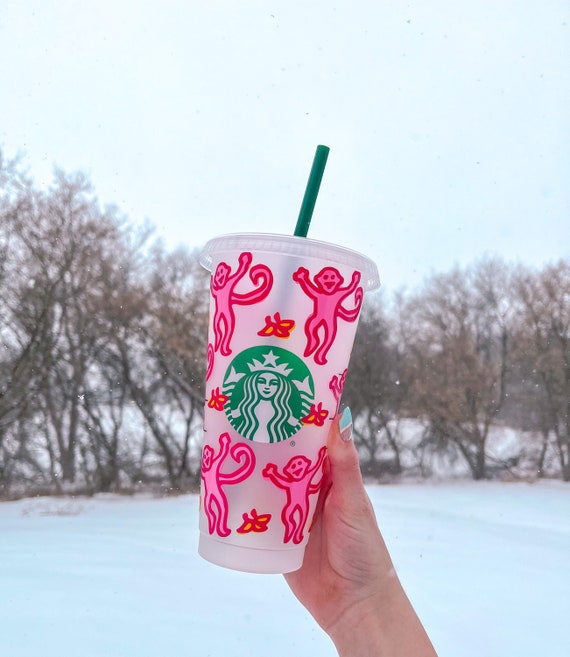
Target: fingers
x=325 y=488
x=343 y=457
x=350 y=500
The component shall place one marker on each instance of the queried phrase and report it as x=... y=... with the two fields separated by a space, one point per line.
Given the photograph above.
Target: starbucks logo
x=269 y=390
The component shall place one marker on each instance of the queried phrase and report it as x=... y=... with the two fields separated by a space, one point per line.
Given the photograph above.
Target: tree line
x=103 y=350
x=477 y=362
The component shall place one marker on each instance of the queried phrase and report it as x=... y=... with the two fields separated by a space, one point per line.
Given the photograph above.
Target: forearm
x=385 y=625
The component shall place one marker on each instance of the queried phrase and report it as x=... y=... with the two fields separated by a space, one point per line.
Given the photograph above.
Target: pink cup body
x=283 y=316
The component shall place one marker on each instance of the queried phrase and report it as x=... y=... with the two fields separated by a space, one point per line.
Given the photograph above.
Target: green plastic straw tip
x=313 y=185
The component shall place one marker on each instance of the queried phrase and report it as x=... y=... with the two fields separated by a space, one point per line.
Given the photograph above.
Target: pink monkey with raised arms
x=327 y=294
x=223 y=286
x=297 y=481
x=214 y=499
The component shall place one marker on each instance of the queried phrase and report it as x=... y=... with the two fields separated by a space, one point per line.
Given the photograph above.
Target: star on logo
x=269 y=365
x=271 y=358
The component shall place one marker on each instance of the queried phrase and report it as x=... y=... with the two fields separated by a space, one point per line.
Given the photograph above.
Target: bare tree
x=113 y=441
x=375 y=391
x=103 y=344
x=18 y=445
x=61 y=245
x=543 y=352
x=159 y=352
x=458 y=343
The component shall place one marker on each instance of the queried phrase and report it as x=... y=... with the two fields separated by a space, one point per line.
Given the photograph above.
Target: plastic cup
x=283 y=316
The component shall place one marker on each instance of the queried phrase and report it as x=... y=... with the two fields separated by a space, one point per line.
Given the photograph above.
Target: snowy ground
x=486 y=565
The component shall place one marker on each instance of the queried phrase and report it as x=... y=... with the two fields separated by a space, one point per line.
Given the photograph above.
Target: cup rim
x=294 y=245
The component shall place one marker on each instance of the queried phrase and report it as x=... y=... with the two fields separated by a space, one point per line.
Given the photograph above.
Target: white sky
x=447 y=121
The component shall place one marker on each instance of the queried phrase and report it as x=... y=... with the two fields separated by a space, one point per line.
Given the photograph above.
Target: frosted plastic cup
x=283 y=315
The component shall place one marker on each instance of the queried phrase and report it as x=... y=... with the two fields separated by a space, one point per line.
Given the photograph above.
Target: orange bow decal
x=280 y=328
x=254 y=523
x=217 y=400
x=316 y=416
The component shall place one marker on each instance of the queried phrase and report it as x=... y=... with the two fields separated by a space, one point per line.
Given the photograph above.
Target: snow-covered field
x=486 y=565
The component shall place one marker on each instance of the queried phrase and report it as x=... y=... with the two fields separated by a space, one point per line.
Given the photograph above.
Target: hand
x=347 y=580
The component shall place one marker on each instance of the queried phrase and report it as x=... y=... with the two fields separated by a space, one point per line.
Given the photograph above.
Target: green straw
x=313 y=185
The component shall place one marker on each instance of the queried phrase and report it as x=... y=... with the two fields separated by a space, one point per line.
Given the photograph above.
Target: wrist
x=362 y=629
x=357 y=636
x=383 y=625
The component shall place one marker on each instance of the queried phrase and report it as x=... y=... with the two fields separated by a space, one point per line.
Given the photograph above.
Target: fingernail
x=345 y=425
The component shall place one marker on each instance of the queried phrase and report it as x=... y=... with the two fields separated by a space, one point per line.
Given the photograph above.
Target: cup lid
x=291 y=245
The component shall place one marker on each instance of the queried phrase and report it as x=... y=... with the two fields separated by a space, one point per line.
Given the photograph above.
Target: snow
x=485 y=564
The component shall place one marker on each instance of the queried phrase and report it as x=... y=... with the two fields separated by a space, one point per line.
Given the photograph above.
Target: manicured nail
x=345 y=425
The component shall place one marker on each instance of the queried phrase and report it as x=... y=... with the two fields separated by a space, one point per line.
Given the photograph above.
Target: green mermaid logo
x=269 y=390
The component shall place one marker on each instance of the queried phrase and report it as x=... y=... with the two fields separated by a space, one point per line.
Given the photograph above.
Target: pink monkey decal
x=327 y=294
x=223 y=286
x=297 y=481
x=215 y=500
x=336 y=384
x=209 y=361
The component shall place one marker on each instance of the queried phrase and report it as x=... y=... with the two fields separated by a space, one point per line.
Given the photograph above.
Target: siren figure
x=269 y=390
x=264 y=413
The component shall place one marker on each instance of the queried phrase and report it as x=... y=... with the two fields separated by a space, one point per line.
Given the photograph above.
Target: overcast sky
x=448 y=122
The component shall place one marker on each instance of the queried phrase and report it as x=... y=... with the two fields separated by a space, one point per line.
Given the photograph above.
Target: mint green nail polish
x=345 y=425
x=346 y=418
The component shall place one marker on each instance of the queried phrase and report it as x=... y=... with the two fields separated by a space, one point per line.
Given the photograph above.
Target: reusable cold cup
x=283 y=315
